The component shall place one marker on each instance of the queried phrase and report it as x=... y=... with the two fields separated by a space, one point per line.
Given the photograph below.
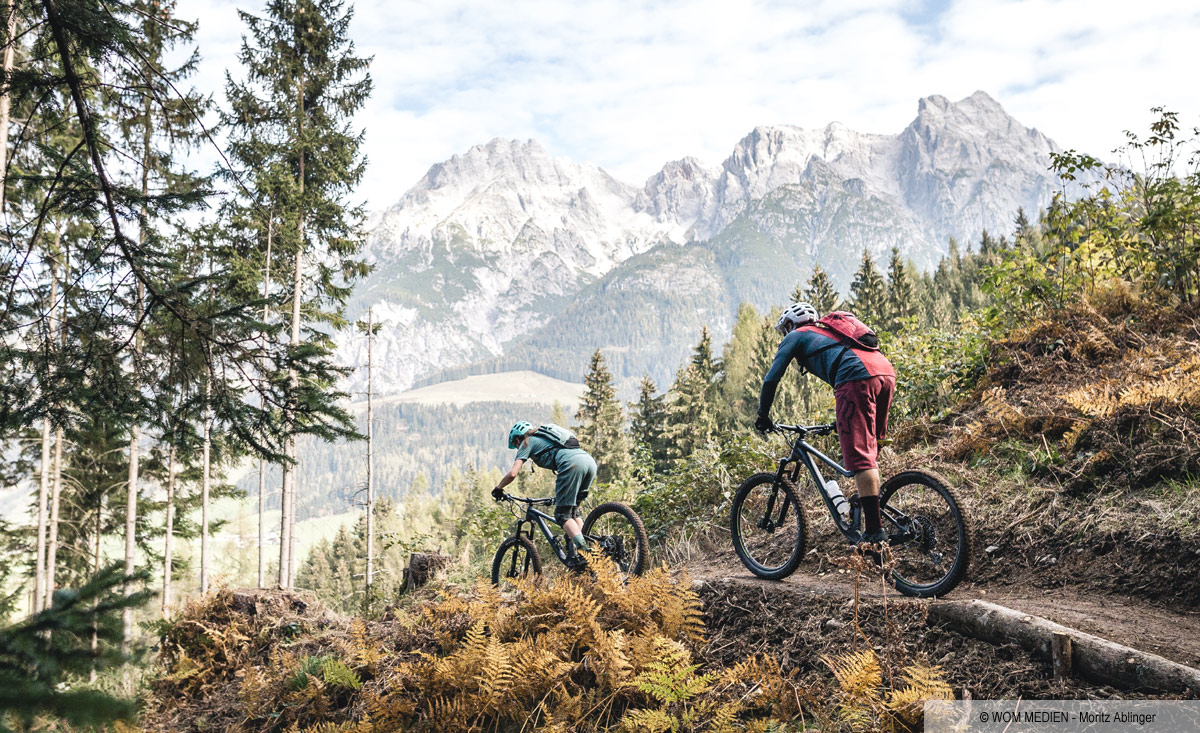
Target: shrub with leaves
x=700 y=487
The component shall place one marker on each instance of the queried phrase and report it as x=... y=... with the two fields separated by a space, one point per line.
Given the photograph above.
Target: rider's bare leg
x=867 y=482
x=573 y=527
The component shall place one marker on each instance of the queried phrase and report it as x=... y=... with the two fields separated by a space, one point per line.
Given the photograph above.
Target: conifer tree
x=702 y=357
x=648 y=422
x=820 y=291
x=602 y=422
x=43 y=655
x=868 y=292
x=735 y=365
x=691 y=412
x=901 y=297
x=788 y=397
x=293 y=115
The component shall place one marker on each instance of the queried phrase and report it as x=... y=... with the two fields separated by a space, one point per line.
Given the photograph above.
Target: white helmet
x=796 y=314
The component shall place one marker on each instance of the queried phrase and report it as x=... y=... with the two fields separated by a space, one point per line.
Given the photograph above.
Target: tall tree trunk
x=288 y=520
x=131 y=498
x=39 y=578
x=370 y=455
x=204 y=489
x=10 y=10
x=287 y=533
x=39 y=581
x=55 y=500
x=57 y=332
x=168 y=541
x=96 y=569
x=262 y=469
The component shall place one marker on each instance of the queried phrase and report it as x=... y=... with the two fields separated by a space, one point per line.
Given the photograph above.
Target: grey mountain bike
x=612 y=528
x=928 y=533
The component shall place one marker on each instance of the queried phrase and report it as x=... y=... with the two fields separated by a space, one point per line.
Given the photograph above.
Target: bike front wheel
x=769 y=526
x=617 y=532
x=516 y=558
x=928 y=534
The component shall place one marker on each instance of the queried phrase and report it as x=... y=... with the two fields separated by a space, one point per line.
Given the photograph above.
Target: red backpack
x=849 y=328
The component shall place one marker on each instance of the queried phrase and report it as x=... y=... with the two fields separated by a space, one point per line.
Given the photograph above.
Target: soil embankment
x=814 y=613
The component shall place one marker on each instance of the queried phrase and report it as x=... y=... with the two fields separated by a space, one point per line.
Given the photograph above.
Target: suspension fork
x=513 y=565
x=767 y=522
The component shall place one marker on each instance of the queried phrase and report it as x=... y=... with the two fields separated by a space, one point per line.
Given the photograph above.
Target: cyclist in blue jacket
x=863 y=382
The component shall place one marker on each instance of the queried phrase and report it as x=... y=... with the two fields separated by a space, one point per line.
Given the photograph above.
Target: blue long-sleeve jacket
x=819 y=354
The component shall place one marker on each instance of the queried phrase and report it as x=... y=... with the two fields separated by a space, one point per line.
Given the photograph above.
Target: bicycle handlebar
x=528 y=500
x=825 y=429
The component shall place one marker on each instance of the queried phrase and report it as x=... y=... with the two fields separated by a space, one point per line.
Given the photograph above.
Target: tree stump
x=422 y=567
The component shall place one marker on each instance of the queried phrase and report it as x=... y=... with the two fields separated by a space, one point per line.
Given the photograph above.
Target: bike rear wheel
x=929 y=535
x=517 y=557
x=769 y=526
x=617 y=532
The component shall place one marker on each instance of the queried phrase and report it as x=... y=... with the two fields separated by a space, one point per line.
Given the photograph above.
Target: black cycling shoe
x=878 y=537
x=873 y=545
x=576 y=563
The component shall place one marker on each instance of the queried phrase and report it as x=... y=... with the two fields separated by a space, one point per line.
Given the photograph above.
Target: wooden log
x=1060 y=655
x=422 y=567
x=1091 y=657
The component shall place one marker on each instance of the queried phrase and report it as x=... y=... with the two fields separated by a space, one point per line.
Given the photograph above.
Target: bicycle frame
x=804 y=453
x=533 y=518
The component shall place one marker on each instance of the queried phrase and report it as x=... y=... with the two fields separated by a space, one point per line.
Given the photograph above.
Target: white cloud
x=630 y=84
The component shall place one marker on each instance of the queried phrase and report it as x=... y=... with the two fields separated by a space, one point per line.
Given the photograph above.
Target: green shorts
x=576 y=471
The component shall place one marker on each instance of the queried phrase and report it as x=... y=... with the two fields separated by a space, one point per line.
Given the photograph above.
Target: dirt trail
x=1173 y=633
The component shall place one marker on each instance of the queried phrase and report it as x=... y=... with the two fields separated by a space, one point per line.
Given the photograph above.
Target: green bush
x=938 y=368
x=699 y=488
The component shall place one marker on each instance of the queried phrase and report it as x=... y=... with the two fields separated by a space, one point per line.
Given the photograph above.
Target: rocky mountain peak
x=506 y=234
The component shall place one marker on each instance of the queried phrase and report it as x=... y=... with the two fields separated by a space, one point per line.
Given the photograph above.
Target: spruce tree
x=43 y=657
x=788 y=395
x=702 y=356
x=602 y=422
x=868 y=292
x=901 y=296
x=293 y=114
x=735 y=366
x=820 y=291
x=691 y=408
x=648 y=423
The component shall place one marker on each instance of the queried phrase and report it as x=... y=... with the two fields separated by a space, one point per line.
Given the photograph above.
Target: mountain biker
x=863 y=381
x=555 y=448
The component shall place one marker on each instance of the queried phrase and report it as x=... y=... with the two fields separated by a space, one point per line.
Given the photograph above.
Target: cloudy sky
x=629 y=85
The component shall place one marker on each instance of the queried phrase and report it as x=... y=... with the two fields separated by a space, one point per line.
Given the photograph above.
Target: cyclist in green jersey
x=555 y=448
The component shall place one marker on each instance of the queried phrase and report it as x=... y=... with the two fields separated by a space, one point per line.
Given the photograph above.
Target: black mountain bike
x=928 y=534
x=612 y=528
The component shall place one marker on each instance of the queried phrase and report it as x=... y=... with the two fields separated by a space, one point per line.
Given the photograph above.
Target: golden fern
x=649 y=721
x=921 y=683
x=672 y=676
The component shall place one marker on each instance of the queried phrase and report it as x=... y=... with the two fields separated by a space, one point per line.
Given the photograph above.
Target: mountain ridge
x=497 y=243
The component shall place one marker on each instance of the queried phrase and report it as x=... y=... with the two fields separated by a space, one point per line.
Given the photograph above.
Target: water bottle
x=834 y=492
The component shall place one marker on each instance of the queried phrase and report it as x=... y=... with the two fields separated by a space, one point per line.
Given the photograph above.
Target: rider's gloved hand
x=497 y=493
x=763 y=424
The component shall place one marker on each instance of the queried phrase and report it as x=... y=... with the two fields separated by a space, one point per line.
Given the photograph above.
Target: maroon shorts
x=862 y=418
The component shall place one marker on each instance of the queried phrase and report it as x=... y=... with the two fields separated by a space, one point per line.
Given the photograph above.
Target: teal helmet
x=518 y=431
